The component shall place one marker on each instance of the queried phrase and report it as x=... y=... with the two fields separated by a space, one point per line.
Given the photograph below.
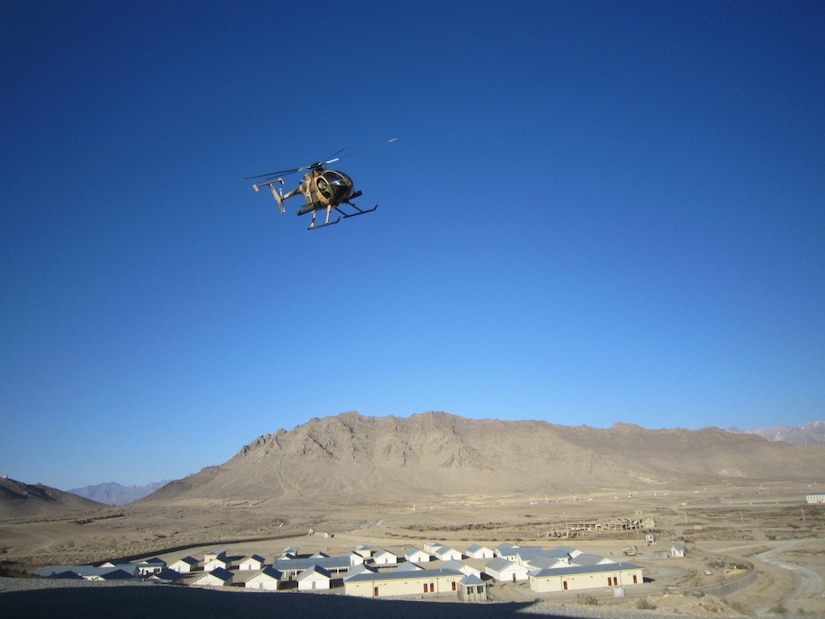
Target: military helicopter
x=321 y=188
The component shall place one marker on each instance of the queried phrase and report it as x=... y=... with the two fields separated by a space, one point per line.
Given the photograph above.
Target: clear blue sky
x=594 y=212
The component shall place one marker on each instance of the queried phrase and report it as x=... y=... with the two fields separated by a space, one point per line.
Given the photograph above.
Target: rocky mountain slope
x=21 y=500
x=350 y=457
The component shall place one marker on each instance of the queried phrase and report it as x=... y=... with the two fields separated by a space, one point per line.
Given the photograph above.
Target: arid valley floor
x=768 y=530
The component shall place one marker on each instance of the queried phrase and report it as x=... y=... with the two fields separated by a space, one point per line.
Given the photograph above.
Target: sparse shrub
x=739 y=607
x=587 y=600
x=645 y=604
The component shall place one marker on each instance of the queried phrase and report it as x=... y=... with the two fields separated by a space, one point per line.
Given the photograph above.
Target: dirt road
x=809 y=586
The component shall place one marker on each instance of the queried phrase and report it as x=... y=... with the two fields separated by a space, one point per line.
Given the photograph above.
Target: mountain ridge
x=354 y=458
x=350 y=457
x=21 y=500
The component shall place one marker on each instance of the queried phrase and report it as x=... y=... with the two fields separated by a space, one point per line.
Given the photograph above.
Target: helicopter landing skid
x=343 y=215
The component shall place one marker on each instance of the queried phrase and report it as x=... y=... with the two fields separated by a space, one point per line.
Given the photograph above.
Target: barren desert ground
x=729 y=532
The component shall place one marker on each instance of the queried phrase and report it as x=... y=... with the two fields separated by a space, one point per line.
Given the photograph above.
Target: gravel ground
x=23 y=597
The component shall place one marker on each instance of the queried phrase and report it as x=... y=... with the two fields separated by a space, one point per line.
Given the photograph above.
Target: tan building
x=472 y=589
x=580 y=577
x=401 y=583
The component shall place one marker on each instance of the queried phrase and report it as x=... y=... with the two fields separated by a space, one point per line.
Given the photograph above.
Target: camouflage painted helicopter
x=322 y=189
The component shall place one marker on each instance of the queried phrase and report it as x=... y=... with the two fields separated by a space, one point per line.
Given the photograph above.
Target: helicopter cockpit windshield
x=333 y=184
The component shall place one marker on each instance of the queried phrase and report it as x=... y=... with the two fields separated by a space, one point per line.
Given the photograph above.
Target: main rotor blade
x=364 y=150
x=335 y=157
x=279 y=173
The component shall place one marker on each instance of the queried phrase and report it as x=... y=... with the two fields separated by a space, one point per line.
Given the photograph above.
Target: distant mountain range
x=374 y=460
x=112 y=493
x=807 y=434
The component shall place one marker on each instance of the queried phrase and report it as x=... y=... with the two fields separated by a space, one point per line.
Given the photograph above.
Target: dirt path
x=808 y=583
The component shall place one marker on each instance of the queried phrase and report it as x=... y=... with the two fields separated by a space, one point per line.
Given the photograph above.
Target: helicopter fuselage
x=322 y=188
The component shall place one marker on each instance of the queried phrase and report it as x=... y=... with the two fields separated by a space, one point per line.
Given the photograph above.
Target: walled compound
x=433 y=570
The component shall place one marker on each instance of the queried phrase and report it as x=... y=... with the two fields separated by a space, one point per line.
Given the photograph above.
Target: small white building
x=503 y=570
x=186 y=565
x=445 y=553
x=415 y=555
x=355 y=558
x=815 y=497
x=214 y=554
x=461 y=566
x=166 y=576
x=217 y=562
x=384 y=557
x=364 y=550
x=477 y=551
x=251 y=563
x=506 y=550
x=678 y=551
x=151 y=566
x=313 y=578
x=266 y=579
x=290 y=552
x=430 y=547
x=472 y=589
x=218 y=577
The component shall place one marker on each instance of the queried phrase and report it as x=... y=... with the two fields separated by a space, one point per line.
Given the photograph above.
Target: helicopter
x=321 y=188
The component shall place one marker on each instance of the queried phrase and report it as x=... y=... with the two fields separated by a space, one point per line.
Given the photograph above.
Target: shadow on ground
x=181 y=603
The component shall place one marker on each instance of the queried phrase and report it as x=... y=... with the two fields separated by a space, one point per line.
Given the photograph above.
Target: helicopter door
x=323 y=186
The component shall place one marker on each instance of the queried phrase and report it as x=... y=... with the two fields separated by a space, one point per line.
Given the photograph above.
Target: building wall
x=211 y=565
x=181 y=567
x=435 y=585
x=483 y=553
x=472 y=593
x=247 y=566
x=313 y=583
x=508 y=575
x=211 y=581
x=579 y=582
x=262 y=585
